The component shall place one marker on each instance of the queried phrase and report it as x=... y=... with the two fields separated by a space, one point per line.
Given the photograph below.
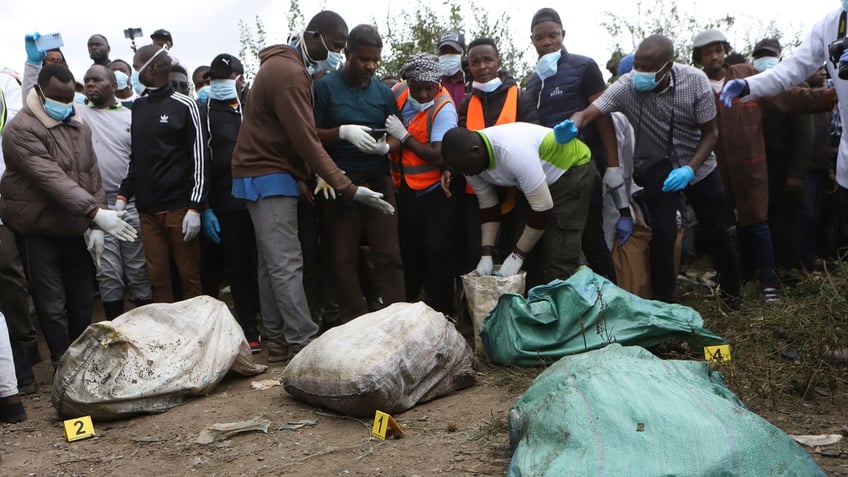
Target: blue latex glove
x=678 y=179
x=34 y=55
x=624 y=229
x=565 y=131
x=211 y=227
x=732 y=90
x=844 y=56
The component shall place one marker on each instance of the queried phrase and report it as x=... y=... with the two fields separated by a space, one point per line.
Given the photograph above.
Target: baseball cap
x=767 y=47
x=223 y=66
x=453 y=39
x=161 y=33
x=708 y=37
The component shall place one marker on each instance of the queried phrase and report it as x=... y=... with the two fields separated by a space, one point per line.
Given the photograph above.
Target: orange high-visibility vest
x=475 y=120
x=416 y=173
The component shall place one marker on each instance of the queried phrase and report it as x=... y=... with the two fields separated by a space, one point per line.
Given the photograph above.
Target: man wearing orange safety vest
x=494 y=99
x=427 y=215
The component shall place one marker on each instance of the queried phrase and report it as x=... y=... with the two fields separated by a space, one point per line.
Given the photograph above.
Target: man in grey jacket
x=51 y=194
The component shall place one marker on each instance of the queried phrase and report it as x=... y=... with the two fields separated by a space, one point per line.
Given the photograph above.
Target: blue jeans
x=755 y=244
x=707 y=201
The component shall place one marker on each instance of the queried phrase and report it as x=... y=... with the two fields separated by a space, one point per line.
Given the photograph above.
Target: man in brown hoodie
x=278 y=149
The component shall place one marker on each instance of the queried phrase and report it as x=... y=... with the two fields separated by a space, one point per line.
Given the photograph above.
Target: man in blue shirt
x=348 y=104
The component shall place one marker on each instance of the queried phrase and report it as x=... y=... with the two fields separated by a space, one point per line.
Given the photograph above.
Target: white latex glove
x=191 y=225
x=380 y=148
x=120 y=205
x=111 y=223
x=357 y=135
x=94 y=241
x=485 y=266
x=613 y=178
x=511 y=266
x=394 y=127
x=373 y=199
x=324 y=189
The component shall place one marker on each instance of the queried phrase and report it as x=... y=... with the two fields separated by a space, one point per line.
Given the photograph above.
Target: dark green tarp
x=621 y=411
x=580 y=314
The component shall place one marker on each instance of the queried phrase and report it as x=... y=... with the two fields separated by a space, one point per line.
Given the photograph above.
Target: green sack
x=621 y=411
x=580 y=314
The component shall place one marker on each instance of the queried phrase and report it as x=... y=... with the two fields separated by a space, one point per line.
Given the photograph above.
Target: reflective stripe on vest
x=417 y=173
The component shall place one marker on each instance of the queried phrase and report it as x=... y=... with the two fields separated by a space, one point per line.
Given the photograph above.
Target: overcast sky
x=203 y=29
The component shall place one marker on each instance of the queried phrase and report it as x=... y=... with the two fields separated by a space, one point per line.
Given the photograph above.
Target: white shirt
x=805 y=60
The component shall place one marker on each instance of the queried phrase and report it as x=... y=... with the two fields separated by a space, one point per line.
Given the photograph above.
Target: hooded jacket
x=278 y=133
x=52 y=184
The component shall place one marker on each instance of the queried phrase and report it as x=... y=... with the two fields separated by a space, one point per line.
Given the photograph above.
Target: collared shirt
x=650 y=114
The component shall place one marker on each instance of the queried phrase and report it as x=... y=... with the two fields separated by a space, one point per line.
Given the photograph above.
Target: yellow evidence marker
x=717 y=353
x=383 y=423
x=79 y=428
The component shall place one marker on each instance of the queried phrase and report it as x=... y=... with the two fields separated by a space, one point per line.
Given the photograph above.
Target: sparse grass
x=812 y=319
x=513 y=379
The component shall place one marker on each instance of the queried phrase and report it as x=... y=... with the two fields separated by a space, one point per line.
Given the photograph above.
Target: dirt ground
x=461 y=434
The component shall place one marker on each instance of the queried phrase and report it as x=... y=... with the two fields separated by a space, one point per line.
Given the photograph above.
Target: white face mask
x=488 y=86
x=450 y=64
x=419 y=106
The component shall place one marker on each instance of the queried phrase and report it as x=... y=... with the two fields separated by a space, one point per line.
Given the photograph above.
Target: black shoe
x=731 y=300
x=12 y=409
x=27 y=387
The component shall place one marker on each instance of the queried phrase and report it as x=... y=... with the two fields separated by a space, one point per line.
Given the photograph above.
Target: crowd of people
x=320 y=192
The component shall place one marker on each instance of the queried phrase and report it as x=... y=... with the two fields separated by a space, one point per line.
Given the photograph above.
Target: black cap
x=161 y=33
x=223 y=66
x=767 y=47
x=453 y=39
x=545 y=15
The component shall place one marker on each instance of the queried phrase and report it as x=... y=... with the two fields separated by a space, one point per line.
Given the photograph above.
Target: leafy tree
x=407 y=33
x=251 y=44
x=664 y=17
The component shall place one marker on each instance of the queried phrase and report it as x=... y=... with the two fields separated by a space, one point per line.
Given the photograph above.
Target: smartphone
x=49 y=41
x=132 y=33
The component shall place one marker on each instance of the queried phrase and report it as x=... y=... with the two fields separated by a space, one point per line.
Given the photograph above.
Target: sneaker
x=277 y=353
x=771 y=296
x=255 y=346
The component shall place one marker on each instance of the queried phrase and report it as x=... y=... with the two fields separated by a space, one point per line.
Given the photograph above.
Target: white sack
x=150 y=359
x=388 y=360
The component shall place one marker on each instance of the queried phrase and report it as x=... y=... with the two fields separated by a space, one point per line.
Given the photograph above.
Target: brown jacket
x=52 y=184
x=278 y=133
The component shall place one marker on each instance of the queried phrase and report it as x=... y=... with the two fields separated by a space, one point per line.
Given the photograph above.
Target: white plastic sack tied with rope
x=388 y=360
x=151 y=359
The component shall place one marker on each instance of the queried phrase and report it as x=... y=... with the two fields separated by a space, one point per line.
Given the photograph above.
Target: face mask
x=766 y=62
x=450 y=64
x=331 y=63
x=203 y=94
x=223 y=89
x=136 y=83
x=646 y=80
x=79 y=98
x=121 y=79
x=55 y=109
x=488 y=86
x=419 y=106
x=547 y=65
x=845 y=5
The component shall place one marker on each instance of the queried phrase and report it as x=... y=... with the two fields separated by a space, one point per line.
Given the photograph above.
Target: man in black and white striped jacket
x=167 y=175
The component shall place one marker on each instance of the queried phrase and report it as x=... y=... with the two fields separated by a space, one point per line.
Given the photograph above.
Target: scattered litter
x=217 y=432
x=819 y=440
x=344 y=472
x=831 y=453
x=295 y=425
x=265 y=384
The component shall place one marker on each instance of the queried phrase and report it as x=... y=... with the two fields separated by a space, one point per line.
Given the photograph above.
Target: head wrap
x=423 y=67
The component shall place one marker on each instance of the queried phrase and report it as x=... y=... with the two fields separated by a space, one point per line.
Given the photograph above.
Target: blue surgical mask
x=203 y=94
x=488 y=86
x=845 y=5
x=547 y=65
x=223 y=89
x=121 y=79
x=55 y=109
x=450 y=64
x=79 y=98
x=419 y=106
x=766 y=62
x=331 y=63
x=138 y=87
x=646 y=80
